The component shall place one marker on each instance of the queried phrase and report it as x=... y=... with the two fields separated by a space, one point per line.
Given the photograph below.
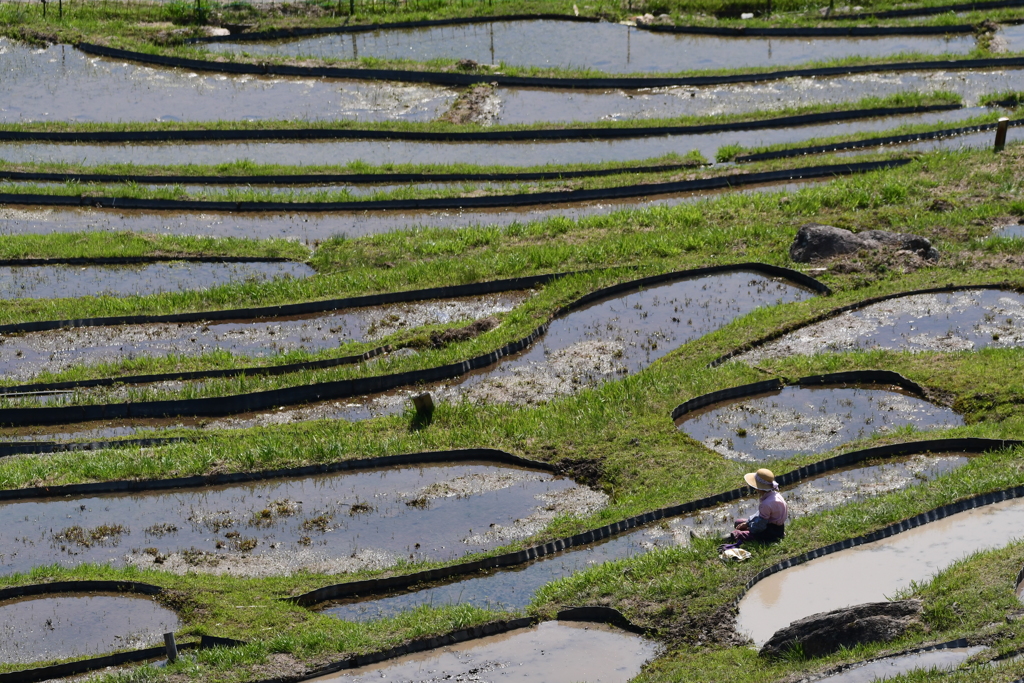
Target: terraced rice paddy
x=433 y=440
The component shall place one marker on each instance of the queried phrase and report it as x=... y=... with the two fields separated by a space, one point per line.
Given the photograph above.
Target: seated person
x=769 y=524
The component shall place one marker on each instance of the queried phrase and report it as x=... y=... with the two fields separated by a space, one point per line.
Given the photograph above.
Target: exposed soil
x=477 y=104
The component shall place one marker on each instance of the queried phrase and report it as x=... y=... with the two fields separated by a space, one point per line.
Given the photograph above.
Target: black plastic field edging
x=857 y=305
x=870 y=142
x=948 y=645
x=380 y=587
x=138 y=485
x=336 y=178
x=937 y=9
x=893 y=529
x=137 y=260
x=533 y=135
x=484 y=202
x=9 y=448
x=305 y=308
x=628 y=82
x=603 y=615
x=768 y=386
x=262 y=400
x=830 y=31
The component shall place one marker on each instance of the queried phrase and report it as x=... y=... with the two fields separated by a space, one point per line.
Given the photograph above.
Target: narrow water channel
x=875 y=571
x=58 y=627
x=608 y=47
x=331 y=523
x=514 y=589
x=945 y=659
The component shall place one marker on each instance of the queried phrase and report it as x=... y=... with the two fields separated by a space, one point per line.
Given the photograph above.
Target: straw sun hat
x=762 y=480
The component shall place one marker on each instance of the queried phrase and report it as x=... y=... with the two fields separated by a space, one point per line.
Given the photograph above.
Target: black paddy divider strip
x=924 y=11
x=891 y=530
x=336 y=178
x=831 y=379
x=264 y=400
x=870 y=142
x=948 y=645
x=534 y=135
x=740 y=32
x=45 y=673
x=139 y=260
x=835 y=312
x=628 y=82
x=371 y=587
x=485 y=202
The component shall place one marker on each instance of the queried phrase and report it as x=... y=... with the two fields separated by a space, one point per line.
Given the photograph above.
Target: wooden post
x=424 y=403
x=171 y=647
x=1001 y=127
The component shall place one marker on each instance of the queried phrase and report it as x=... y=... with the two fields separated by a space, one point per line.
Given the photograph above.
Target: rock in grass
x=824 y=633
x=815 y=241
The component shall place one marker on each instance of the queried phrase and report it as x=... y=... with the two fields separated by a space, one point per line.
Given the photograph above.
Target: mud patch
x=38 y=629
x=808 y=419
x=955 y=321
x=551 y=651
x=477 y=104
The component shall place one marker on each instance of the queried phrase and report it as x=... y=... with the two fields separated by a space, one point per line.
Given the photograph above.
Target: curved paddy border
x=740 y=32
x=935 y=9
x=337 y=178
x=44 y=673
x=382 y=586
x=948 y=645
x=138 y=260
x=830 y=379
x=439 y=203
x=525 y=135
x=447 y=78
x=263 y=400
x=871 y=142
x=857 y=305
x=29 y=447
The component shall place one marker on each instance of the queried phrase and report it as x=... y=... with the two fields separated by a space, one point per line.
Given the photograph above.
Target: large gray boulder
x=815 y=241
x=824 y=633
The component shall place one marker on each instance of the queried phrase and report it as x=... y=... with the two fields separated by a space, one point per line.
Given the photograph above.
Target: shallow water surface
x=874 y=571
x=890 y=667
x=24 y=355
x=1010 y=232
x=515 y=588
x=799 y=419
x=60 y=83
x=44 y=628
x=551 y=652
x=954 y=321
x=327 y=523
x=607 y=47
x=59 y=281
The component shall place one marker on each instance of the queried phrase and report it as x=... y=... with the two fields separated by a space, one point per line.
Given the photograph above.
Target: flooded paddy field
x=58 y=281
x=944 y=659
x=953 y=321
x=503 y=153
x=310 y=227
x=607 y=47
x=874 y=571
x=60 y=83
x=514 y=588
x=800 y=419
x=521 y=105
x=551 y=652
x=25 y=355
x=331 y=523
x=1010 y=232
x=601 y=342
x=59 y=627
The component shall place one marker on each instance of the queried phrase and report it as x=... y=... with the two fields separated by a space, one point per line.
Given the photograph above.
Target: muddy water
x=551 y=652
x=528 y=106
x=49 y=282
x=875 y=571
x=890 y=667
x=956 y=321
x=607 y=47
x=60 y=83
x=330 y=523
x=1010 y=232
x=514 y=589
x=312 y=227
x=400 y=152
x=808 y=419
x=22 y=356
x=46 y=628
